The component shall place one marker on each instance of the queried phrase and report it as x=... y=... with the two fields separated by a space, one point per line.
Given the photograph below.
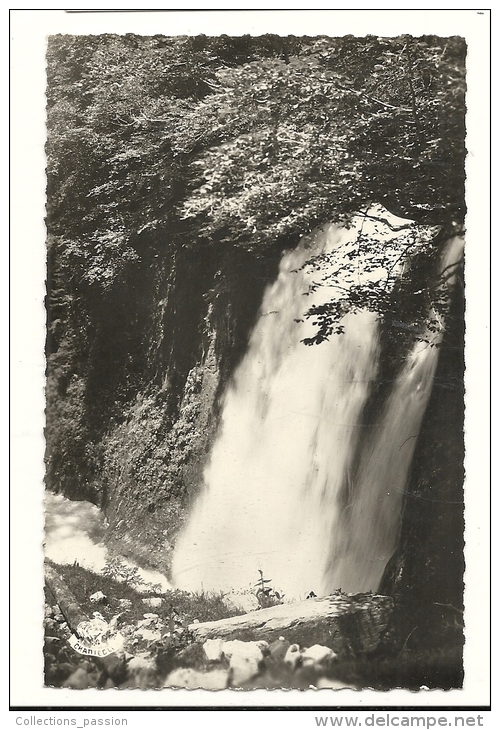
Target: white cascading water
x=291 y=427
x=367 y=536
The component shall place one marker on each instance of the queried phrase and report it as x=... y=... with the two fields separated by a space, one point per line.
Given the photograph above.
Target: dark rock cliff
x=153 y=393
x=426 y=574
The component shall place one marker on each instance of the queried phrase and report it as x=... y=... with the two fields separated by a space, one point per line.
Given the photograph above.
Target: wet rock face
x=201 y=313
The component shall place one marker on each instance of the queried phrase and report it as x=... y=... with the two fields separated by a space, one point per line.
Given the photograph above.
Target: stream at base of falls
x=74 y=532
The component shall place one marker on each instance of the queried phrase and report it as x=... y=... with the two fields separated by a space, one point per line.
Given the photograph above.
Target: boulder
x=318 y=656
x=212 y=649
x=142 y=671
x=245 y=659
x=349 y=625
x=148 y=634
x=81 y=679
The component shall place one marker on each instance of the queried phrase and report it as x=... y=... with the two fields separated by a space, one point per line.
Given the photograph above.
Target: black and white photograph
x=256 y=249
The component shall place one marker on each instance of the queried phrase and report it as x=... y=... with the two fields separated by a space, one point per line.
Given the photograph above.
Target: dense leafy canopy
x=250 y=140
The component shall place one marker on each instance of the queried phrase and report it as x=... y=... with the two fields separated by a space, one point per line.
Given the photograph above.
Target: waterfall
x=291 y=435
x=370 y=525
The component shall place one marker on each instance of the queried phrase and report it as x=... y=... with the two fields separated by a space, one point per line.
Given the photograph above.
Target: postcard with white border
x=250 y=261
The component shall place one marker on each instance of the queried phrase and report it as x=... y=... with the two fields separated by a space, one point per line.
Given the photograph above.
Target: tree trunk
x=67 y=602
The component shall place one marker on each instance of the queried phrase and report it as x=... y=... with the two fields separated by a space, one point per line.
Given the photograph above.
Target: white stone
x=98 y=597
x=141 y=662
x=317 y=655
x=154 y=602
x=252 y=648
x=212 y=649
x=245 y=658
x=243 y=668
x=80 y=679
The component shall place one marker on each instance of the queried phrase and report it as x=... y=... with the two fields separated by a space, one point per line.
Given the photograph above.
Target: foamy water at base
x=74 y=532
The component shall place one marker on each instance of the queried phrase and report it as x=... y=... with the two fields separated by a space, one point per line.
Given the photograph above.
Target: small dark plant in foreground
x=266 y=595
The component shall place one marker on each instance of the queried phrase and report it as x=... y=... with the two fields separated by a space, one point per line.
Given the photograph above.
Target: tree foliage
x=245 y=140
x=248 y=141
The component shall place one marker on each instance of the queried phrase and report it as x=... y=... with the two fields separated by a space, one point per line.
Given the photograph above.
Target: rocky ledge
x=318 y=642
x=349 y=625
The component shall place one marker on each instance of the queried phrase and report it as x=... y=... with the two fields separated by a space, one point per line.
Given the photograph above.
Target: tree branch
x=386 y=222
